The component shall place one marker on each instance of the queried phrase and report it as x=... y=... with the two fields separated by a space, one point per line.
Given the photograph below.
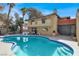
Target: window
x=43 y=20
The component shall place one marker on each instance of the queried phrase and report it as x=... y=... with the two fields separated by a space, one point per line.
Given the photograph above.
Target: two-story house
x=45 y=25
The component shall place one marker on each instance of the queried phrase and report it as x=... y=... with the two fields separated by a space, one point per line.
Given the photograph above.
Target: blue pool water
x=37 y=46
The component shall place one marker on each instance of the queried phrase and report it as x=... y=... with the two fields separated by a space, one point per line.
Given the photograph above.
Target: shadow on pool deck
x=62 y=37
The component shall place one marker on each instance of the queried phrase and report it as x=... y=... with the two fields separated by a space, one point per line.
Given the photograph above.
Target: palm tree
x=19 y=23
x=11 y=5
x=24 y=10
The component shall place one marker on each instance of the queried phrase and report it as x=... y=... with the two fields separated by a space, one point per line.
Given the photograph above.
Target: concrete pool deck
x=5 y=48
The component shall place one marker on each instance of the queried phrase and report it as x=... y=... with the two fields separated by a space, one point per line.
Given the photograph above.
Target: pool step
x=56 y=53
x=66 y=52
x=67 y=49
x=17 y=49
x=62 y=51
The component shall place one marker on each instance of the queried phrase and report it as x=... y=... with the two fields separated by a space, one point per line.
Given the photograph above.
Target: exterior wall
x=3 y=31
x=54 y=20
x=77 y=26
x=3 y=25
x=67 y=26
x=38 y=22
x=42 y=31
x=46 y=28
x=67 y=29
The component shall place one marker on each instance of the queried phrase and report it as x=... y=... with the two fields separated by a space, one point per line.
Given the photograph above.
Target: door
x=34 y=30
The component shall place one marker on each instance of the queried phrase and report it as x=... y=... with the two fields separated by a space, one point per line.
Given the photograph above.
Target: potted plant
x=54 y=33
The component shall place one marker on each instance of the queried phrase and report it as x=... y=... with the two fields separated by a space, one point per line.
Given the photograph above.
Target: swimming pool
x=37 y=46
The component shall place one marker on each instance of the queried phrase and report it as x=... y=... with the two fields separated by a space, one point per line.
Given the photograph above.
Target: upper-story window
x=43 y=20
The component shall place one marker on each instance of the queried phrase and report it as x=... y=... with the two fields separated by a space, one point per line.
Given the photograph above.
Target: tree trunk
x=8 y=19
x=21 y=29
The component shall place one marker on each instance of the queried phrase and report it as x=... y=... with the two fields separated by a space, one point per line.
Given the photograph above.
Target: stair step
x=60 y=52
x=18 y=51
x=67 y=49
x=65 y=52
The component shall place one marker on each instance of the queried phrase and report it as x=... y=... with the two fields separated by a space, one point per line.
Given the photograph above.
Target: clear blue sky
x=64 y=9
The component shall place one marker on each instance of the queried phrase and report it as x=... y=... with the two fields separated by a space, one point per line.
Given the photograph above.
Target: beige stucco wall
x=38 y=22
x=41 y=31
x=77 y=26
x=54 y=23
x=50 y=24
x=3 y=28
x=1 y=23
x=44 y=32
